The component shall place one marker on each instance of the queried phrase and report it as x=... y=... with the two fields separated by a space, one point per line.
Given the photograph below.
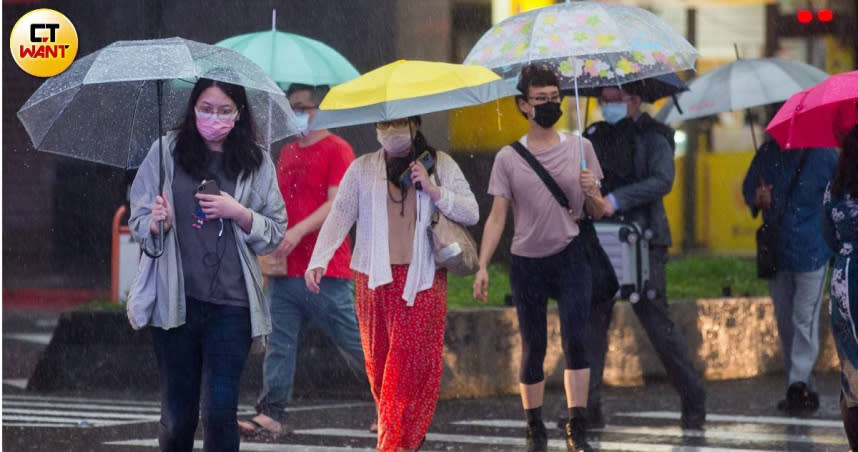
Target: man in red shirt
x=308 y=173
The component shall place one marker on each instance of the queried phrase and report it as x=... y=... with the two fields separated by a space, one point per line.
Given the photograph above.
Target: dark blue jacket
x=801 y=247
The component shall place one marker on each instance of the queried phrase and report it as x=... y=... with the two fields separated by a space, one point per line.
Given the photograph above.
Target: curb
x=729 y=338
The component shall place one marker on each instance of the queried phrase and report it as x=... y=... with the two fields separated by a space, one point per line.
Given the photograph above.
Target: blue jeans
x=332 y=310
x=204 y=359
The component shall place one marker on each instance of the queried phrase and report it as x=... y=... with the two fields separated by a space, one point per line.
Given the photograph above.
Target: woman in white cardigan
x=400 y=295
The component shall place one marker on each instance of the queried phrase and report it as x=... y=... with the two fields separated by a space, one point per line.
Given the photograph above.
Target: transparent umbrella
x=110 y=106
x=106 y=107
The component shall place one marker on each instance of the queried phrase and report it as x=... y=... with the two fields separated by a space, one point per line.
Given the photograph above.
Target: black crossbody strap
x=793 y=184
x=542 y=173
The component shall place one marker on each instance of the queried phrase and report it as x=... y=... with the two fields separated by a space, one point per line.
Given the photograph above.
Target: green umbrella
x=289 y=58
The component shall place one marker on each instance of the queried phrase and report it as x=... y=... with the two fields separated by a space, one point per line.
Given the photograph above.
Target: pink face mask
x=214 y=130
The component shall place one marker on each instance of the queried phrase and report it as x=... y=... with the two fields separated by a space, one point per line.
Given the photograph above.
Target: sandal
x=250 y=428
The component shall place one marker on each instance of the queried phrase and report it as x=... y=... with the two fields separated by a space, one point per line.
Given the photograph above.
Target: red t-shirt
x=304 y=175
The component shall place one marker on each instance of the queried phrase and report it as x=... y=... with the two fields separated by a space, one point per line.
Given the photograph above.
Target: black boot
x=537 y=437
x=576 y=431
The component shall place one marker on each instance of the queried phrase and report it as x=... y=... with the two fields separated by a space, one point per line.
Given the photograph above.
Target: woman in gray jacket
x=221 y=208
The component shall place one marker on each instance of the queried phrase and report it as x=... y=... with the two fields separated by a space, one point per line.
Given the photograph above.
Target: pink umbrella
x=818 y=116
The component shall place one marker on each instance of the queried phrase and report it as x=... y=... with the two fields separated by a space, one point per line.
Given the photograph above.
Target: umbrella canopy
x=649 y=89
x=108 y=106
x=742 y=84
x=289 y=58
x=588 y=43
x=408 y=88
x=818 y=116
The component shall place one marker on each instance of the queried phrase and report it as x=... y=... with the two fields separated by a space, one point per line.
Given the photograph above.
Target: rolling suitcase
x=627 y=247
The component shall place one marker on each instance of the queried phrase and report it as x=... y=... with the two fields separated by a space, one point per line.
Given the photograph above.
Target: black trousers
x=667 y=340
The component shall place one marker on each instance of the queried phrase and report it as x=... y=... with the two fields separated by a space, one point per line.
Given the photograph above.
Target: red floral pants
x=402 y=347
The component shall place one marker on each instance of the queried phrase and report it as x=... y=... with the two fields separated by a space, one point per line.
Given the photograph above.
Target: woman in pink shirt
x=547 y=260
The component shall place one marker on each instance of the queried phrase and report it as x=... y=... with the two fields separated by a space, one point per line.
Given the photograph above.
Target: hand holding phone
x=425 y=158
x=208 y=187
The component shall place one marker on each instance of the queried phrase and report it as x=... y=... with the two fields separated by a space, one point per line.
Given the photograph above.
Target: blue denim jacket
x=801 y=247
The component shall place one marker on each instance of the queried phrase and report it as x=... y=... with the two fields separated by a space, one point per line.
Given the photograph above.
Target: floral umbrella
x=588 y=44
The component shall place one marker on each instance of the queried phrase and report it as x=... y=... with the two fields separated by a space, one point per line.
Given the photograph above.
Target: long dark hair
x=240 y=150
x=846 y=179
x=420 y=143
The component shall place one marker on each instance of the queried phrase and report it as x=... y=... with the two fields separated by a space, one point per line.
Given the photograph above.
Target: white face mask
x=394 y=141
x=303 y=123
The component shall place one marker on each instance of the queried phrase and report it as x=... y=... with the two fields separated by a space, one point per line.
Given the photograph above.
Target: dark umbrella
x=110 y=106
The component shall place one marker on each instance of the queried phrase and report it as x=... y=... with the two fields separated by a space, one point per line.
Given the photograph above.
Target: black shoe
x=692 y=420
x=576 y=432
x=693 y=413
x=537 y=438
x=800 y=400
x=595 y=418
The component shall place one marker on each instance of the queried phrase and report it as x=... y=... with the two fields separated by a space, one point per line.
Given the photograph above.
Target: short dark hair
x=317 y=92
x=533 y=75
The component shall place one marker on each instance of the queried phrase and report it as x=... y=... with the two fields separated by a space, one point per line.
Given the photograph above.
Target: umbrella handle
x=159 y=243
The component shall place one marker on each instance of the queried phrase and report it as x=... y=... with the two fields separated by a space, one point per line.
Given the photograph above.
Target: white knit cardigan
x=362 y=197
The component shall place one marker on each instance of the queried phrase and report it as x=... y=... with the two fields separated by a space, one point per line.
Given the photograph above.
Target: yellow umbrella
x=406 y=88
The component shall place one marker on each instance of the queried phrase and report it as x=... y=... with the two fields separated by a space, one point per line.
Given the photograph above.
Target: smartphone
x=428 y=162
x=208 y=187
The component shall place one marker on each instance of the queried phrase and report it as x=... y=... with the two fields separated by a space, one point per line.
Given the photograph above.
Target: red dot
x=804 y=16
x=825 y=15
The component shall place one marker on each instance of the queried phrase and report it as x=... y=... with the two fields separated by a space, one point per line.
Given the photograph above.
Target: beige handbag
x=272 y=266
x=453 y=246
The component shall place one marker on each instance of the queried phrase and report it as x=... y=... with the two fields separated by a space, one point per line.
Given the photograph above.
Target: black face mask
x=547 y=114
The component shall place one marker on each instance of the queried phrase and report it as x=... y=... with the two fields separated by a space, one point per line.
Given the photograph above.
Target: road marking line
x=250 y=447
x=77 y=399
x=741 y=419
x=709 y=433
x=16 y=382
x=143 y=408
x=60 y=421
x=82 y=414
x=43 y=339
x=512 y=441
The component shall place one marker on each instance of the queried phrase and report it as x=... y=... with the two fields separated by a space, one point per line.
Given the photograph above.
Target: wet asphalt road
x=742 y=416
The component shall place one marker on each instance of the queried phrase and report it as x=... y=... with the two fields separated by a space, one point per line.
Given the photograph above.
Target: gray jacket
x=257 y=191
x=642 y=201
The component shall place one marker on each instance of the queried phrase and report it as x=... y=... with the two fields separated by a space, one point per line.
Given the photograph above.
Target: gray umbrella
x=110 y=106
x=106 y=107
x=742 y=84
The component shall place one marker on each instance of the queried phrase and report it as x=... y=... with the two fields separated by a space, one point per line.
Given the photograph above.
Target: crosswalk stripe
x=82 y=406
x=23 y=397
x=518 y=441
x=709 y=433
x=16 y=382
x=60 y=421
x=740 y=419
x=43 y=339
x=81 y=414
x=249 y=447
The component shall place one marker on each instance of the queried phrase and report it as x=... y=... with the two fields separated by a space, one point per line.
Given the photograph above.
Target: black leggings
x=564 y=276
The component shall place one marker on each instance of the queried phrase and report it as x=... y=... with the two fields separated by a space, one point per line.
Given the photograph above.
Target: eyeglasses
x=543 y=99
x=396 y=123
x=225 y=114
x=301 y=108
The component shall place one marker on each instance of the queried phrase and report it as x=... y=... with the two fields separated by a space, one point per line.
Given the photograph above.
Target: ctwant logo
x=43 y=42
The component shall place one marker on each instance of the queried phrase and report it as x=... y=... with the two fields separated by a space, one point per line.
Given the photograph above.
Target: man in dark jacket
x=636 y=154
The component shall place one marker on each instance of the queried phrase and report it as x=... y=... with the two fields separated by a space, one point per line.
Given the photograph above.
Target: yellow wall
x=724 y=222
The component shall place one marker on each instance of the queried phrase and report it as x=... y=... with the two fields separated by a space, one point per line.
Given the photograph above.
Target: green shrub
x=687 y=278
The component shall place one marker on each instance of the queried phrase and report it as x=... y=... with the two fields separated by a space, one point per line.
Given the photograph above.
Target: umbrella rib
x=134 y=119
x=62 y=110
